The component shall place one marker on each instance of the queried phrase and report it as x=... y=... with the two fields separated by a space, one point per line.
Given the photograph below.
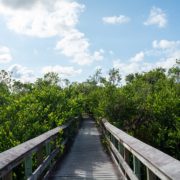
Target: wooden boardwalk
x=86 y=159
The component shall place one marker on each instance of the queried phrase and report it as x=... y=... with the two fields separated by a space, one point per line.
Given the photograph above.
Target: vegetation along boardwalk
x=87 y=159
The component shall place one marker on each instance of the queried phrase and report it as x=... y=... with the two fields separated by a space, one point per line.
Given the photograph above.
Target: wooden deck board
x=86 y=159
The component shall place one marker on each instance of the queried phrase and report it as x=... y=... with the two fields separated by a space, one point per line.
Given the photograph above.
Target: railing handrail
x=161 y=164
x=14 y=156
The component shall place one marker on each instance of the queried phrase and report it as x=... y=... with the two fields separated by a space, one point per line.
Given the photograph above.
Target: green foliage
x=147 y=107
x=31 y=109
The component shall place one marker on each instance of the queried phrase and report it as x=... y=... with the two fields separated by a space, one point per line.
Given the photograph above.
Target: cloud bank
x=168 y=51
x=44 y=19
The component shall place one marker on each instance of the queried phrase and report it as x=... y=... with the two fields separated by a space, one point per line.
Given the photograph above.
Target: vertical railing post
x=126 y=158
x=121 y=149
x=28 y=166
x=126 y=155
x=112 y=139
x=150 y=174
x=39 y=156
x=48 y=150
x=137 y=167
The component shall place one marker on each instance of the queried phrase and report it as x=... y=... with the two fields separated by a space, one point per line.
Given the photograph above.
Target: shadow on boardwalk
x=86 y=159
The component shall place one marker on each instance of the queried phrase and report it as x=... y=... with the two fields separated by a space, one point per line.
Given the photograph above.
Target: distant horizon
x=74 y=38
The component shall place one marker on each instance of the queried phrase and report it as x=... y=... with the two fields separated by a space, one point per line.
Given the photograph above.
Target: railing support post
x=121 y=149
x=137 y=167
x=39 y=156
x=28 y=166
x=150 y=174
x=112 y=139
x=126 y=158
x=48 y=150
x=126 y=155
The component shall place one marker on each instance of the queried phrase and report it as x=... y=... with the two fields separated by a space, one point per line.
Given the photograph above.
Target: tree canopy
x=147 y=107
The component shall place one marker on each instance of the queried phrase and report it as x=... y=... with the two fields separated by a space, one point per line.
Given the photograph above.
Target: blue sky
x=75 y=37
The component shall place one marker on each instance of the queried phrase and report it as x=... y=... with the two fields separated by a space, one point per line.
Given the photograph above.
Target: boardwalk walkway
x=86 y=159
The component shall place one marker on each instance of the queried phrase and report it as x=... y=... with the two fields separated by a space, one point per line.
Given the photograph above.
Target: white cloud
x=18 y=3
x=44 y=18
x=134 y=67
x=21 y=73
x=165 y=44
x=116 y=19
x=139 y=67
x=5 y=54
x=74 y=45
x=64 y=71
x=131 y=67
x=137 y=64
x=138 y=57
x=98 y=55
x=156 y=17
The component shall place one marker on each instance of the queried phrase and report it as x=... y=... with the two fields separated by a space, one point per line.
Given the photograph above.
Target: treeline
x=28 y=110
x=147 y=107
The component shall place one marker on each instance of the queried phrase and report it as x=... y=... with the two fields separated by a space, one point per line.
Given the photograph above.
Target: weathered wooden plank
x=86 y=159
x=161 y=164
x=35 y=175
x=116 y=162
x=124 y=164
x=14 y=156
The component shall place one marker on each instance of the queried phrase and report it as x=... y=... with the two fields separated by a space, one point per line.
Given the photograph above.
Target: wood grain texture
x=14 y=156
x=161 y=164
x=87 y=158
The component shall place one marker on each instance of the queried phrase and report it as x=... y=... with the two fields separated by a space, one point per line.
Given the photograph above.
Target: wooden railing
x=40 y=151
x=137 y=160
